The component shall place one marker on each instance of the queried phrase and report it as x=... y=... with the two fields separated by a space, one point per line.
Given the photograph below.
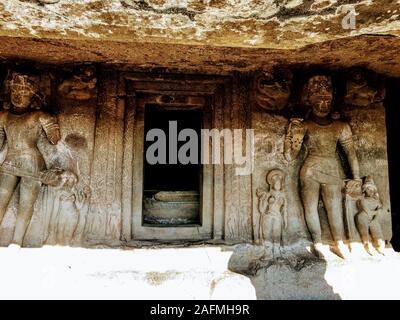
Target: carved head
x=358 y=76
x=275 y=179
x=273 y=89
x=369 y=188
x=23 y=89
x=87 y=73
x=68 y=180
x=319 y=95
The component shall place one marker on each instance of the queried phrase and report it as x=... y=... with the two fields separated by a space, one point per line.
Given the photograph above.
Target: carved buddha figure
x=319 y=174
x=20 y=129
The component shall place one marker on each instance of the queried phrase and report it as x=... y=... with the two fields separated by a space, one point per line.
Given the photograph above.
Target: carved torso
x=321 y=142
x=371 y=206
x=275 y=201
x=21 y=133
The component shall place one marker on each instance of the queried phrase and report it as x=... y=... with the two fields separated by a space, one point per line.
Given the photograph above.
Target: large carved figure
x=273 y=211
x=370 y=207
x=20 y=129
x=319 y=174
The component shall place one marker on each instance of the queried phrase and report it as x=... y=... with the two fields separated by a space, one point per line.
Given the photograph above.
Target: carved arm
x=51 y=128
x=294 y=139
x=346 y=140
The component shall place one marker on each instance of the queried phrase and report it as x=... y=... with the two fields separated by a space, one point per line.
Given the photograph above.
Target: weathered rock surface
x=210 y=36
x=242 y=23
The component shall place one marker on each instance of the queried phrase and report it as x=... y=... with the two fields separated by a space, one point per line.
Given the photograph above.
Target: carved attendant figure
x=65 y=213
x=320 y=171
x=273 y=213
x=21 y=129
x=367 y=222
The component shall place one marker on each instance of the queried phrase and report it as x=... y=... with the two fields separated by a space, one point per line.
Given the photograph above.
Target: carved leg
x=276 y=236
x=377 y=235
x=332 y=197
x=362 y=222
x=7 y=187
x=310 y=197
x=28 y=193
x=267 y=231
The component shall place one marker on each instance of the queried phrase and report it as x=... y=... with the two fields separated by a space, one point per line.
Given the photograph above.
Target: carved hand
x=353 y=187
x=294 y=138
x=51 y=177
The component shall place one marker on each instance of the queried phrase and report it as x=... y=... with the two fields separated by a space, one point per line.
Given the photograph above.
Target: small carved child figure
x=273 y=211
x=367 y=222
x=65 y=213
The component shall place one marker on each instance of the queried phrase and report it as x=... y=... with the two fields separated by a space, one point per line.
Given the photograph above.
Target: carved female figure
x=370 y=207
x=21 y=129
x=319 y=174
x=273 y=213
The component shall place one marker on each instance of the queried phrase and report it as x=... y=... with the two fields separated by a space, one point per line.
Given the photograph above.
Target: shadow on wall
x=296 y=275
x=392 y=104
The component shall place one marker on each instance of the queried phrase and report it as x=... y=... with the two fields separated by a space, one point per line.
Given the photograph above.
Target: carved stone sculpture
x=359 y=93
x=352 y=193
x=273 y=211
x=370 y=207
x=81 y=86
x=21 y=129
x=66 y=222
x=319 y=175
x=273 y=89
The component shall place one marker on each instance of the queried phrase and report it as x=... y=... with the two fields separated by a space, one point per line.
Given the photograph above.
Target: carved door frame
x=137 y=90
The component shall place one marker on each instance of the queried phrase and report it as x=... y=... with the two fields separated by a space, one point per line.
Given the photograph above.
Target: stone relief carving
x=62 y=215
x=273 y=89
x=82 y=86
x=369 y=209
x=67 y=208
x=360 y=93
x=319 y=174
x=20 y=130
x=273 y=212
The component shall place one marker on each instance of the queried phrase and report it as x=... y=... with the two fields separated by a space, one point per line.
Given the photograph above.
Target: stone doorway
x=171 y=188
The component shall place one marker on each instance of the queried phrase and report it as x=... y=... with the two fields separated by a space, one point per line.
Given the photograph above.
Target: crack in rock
x=144 y=6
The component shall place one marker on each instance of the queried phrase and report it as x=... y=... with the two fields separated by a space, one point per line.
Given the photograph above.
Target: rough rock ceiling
x=203 y=35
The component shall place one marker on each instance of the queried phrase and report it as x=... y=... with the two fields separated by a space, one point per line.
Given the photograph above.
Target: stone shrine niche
x=349 y=115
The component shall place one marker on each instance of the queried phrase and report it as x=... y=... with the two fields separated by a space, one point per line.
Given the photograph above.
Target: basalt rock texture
x=203 y=36
x=240 y=23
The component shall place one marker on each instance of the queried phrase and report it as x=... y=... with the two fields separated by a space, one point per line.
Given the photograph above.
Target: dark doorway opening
x=392 y=104
x=171 y=194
